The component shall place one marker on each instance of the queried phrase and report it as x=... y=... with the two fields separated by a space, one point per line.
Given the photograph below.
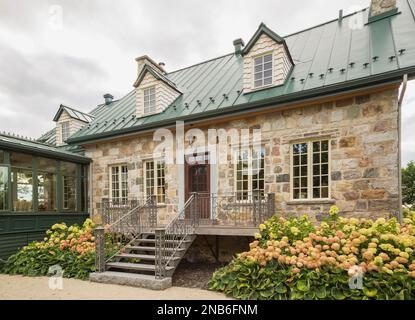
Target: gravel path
x=18 y=287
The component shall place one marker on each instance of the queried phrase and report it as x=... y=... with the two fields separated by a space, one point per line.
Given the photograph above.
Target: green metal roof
x=21 y=144
x=328 y=58
x=73 y=113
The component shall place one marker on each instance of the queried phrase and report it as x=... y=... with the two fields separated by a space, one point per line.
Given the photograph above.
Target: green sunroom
x=40 y=185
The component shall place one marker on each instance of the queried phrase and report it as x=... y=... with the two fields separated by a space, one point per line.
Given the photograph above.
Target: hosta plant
x=338 y=259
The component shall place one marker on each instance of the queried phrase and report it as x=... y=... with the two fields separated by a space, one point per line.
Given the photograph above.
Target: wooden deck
x=211 y=229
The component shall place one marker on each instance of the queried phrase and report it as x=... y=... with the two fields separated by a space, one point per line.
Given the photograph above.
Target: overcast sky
x=46 y=60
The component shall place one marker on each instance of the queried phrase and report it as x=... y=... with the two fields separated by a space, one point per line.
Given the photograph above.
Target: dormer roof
x=74 y=114
x=156 y=74
x=263 y=29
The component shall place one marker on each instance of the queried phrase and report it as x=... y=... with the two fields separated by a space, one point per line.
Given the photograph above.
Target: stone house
x=325 y=102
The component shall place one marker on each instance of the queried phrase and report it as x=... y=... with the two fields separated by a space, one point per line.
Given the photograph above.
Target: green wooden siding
x=17 y=230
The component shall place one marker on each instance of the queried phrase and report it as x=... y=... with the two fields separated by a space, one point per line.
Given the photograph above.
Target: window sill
x=311 y=202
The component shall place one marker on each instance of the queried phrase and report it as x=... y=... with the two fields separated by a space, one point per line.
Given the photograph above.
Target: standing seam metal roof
x=325 y=57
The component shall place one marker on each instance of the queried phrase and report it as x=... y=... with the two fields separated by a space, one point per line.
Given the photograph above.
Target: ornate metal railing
x=239 y=209
x=122 y=227
x=171 y=238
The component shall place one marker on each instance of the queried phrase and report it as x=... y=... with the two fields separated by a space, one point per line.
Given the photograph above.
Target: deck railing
x=126 y=221
x=123 y=223
x=239 y=209
x=169 y=239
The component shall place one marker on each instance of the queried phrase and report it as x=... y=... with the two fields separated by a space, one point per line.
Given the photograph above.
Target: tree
x=408 y=184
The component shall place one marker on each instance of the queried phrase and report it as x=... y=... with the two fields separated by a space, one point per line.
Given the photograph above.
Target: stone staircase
x=136 y=264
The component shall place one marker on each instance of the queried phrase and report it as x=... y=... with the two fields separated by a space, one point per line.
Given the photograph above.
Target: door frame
x=213 y=178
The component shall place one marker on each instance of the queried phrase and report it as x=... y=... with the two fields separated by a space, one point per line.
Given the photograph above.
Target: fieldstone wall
x=363 y=132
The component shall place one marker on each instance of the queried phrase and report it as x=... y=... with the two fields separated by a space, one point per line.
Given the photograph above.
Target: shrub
x=294 y=259
x=72 y=248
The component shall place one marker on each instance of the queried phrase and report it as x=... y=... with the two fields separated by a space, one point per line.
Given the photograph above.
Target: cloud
x=93 y=53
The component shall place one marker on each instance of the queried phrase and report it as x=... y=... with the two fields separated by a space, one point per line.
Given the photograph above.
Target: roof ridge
x=324 y=23
x=73 y=109
x=197 y=64
x=286 y=36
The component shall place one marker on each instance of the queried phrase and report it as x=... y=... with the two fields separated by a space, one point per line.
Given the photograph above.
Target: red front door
x=197 y=176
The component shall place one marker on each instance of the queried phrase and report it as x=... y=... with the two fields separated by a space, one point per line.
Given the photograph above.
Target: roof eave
x=390 y=77
x=47 y=153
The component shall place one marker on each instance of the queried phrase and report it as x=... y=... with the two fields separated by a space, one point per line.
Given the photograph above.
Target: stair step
x=131 y=279
x=134 y=266
x=140 y=256
x=151 y=248
x=154 y=240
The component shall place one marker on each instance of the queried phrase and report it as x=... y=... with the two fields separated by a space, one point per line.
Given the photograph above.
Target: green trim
x=59 y=189
x=35 y=193
x=10 y=146
x=383 y=15
x=263 y=29
x=297 y=97
x=156 y=75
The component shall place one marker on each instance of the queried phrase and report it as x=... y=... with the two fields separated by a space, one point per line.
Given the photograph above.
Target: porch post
x=153 y=211
x=160 y=234
x=100 y=249
x=271 y=204
x=195 y=208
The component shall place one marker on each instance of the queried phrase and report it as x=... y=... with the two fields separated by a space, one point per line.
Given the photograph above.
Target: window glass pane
x=149 y=175
x=68 y=168
x=300 y=170
x=65 y=129
x=161 y=191
x=258 y=61
x=84 y=195
x=150 y=100
x=1 y=156
x=4 y=176
x=267 y=81
x=22 y=190
x=21 y=160
x=320 y=169
x=46 y=192
x=268 y=58
x=69 y=193
x=258 y=83
x=268 y=66
x=47 y=165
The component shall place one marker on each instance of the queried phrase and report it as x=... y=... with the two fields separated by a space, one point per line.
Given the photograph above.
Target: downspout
x=404 y=85
x=90 y=189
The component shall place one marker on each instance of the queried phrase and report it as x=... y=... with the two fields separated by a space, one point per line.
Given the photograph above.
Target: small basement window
x=150 y=100
x=263 y=70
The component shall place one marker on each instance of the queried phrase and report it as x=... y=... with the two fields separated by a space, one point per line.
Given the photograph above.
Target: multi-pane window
x=155 y=180
x=263 y=70
x=65 y=128
x=310 y=165
x=4 y=178
x=250 y=173
x=150 y=100
x=119 y=183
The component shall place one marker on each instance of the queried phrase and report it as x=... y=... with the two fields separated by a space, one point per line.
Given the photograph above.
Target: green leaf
x=371 y=293
x=303 y=285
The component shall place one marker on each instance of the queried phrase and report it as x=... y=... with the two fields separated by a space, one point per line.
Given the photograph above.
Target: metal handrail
x=170 y=238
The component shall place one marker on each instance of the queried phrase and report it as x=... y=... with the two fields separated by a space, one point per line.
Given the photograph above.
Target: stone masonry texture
x=363 y=131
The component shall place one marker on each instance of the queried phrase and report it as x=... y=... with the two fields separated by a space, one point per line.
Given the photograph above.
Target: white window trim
x=119 y=166
x=253 y=70
x=236 y=152
x=155 y=100
x=309 y=170
x=155 y=179
x=68 y=124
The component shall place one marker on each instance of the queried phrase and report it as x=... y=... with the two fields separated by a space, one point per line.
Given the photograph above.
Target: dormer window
x=263 y=70
x=149 y=100
x=65 y=127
